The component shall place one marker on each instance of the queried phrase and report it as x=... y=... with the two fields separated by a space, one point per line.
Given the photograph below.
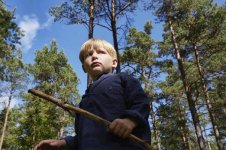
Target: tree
x=172 y=109
x=11 y=135
x=211 y=30
x=171 y=133
x=54 y=76
x=172 y=13
x=196 y=34
x=14 y=83
x=12 y=71
x=10 y=35
x=137 y=60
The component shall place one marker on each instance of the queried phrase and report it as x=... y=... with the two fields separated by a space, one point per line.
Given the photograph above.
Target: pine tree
x=12 y=71
x=10 y=35
x=196 y=28
x=54 y=76
x=137 y=60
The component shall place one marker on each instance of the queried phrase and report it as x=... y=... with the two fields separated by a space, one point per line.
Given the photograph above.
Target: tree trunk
x=34 y=136
x=155 y=129
x=62 y=120
x=188 y=90
x=154 y=121
x=6 y=118
x=183 y=127
x=207 y=100
x=114 y=34
x=91 y=27
x=91 y=18
x=207 y=139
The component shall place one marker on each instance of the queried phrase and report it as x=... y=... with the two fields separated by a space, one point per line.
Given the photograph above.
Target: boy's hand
x=51 y=145
x=122 y=127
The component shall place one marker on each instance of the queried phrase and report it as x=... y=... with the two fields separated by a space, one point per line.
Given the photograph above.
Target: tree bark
x=91 y=27
x=207 y=139
x=207 y=99
x=183 y=127
x=187 y=89
x=114 y=34
x=155 y=128
x=91 y=18
x=6 y=117
x=61 y=132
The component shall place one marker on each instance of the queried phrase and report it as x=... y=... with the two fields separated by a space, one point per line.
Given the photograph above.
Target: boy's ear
x=115 y=63
x=83 y=68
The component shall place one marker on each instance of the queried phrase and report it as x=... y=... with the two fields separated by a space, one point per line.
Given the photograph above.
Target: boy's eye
x=90 y=53
x=102 y=52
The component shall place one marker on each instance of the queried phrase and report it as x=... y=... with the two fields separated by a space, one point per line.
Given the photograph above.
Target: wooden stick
x=83 y=112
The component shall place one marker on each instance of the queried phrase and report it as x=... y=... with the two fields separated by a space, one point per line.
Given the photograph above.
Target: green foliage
x=39 y=119
x=173 y=114
x=137 y=56
x=12 y=132
x=9 y=37
x=77 y=11
x=198 y=25
x=13 y=73
x=74 y=11
x=53 y=74
x=170 y=126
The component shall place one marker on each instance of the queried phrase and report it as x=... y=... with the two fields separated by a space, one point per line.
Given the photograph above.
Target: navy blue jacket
x=111 y=96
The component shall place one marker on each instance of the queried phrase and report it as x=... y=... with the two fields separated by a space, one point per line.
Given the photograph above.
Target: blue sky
x=39 y=30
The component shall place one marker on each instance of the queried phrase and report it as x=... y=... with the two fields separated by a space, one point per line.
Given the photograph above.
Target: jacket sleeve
x=72 y=142
x=137 y=102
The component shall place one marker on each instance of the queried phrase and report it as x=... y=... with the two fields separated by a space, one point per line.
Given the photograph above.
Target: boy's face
x=98 y=61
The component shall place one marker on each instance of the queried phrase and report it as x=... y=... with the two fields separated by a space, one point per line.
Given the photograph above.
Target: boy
x=117 y=98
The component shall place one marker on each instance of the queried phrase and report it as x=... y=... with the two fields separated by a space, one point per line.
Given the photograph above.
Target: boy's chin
x=97 y=70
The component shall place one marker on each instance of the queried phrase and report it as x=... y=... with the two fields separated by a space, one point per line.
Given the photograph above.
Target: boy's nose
x=94 y=56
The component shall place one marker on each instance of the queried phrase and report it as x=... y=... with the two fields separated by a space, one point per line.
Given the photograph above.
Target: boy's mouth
x=95 y=64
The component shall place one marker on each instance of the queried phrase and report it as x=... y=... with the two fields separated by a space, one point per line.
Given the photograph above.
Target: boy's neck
x=97 y=77
x=100 y=76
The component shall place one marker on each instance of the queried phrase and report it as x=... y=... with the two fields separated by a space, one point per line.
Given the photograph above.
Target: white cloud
x=30 y=26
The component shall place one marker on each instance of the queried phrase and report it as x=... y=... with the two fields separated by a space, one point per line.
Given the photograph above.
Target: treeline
x=184 y=74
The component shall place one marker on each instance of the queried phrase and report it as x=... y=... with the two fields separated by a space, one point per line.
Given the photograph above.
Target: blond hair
x=95 y=44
